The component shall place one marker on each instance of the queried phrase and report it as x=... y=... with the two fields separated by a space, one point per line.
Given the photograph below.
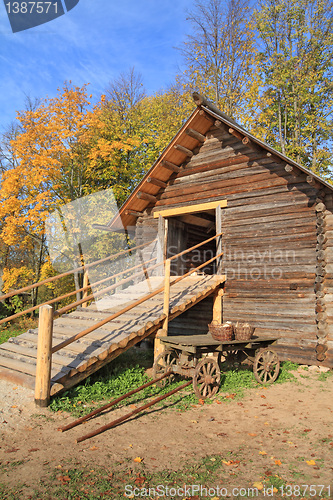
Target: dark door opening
x=187 y=231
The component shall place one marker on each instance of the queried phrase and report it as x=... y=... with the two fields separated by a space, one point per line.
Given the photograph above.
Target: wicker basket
x=243 y=331
x=221 y=332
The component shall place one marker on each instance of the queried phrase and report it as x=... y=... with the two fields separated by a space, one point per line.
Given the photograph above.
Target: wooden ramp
x=88 y=354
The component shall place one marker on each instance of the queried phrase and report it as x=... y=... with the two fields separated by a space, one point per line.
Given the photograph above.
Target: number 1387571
x=32 y=7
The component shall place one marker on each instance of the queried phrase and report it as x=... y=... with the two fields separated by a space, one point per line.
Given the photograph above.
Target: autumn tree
x=43 y=168
x=296 y=66
x=132 y=129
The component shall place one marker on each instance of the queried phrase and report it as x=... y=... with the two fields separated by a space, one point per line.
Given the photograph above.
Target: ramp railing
x=46 y=317
x=86 y=286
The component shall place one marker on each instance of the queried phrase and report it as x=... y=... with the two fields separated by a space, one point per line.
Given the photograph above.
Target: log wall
x=277 y=242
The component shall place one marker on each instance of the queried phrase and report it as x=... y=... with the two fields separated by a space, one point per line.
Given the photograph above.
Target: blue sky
x=92 y=43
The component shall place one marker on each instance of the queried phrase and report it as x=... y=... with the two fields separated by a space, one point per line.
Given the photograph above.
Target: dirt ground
x=285 y=429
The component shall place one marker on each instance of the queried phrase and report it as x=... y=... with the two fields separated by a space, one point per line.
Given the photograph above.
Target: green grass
x=325 y=375
x=7 y=333
x=128 y=372
x=81 y=482
x=13 y=330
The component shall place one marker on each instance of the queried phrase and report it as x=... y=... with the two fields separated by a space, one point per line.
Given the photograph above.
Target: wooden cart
x=189 y=356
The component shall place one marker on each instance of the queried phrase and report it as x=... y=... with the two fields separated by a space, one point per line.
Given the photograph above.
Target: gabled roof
x=190 y=136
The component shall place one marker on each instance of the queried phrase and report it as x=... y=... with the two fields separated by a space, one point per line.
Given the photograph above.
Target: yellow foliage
x=16 y=278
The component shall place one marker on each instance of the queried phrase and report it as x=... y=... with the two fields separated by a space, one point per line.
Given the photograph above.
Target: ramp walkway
x=84 y=356
x=87 y=338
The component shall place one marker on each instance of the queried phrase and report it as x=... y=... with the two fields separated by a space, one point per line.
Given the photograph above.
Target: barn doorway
x=188 y=226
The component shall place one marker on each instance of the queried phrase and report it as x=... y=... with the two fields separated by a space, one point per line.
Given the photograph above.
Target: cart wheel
x=162 y=364
x=206 y=380
x=266 y=366
x=232 y=358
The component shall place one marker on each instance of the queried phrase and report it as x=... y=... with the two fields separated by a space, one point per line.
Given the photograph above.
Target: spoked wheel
x=266 y=366
x=232 y=358
x=162 y=364
x=206 y=380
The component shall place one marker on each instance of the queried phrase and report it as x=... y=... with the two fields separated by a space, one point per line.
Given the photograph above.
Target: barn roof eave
x=133 y=204
x=231 y=123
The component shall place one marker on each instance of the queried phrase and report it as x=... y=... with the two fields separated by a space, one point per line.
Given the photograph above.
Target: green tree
x=296 y=65
x=220 y=55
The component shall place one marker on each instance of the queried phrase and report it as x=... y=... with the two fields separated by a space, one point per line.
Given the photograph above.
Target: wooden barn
x=277 y=223
x=257 y=226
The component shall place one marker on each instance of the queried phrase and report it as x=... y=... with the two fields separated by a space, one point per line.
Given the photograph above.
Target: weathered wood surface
x=277 y=241
x=86 y=355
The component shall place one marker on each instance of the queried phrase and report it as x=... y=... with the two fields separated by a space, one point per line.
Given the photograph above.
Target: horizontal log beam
x=146 y=196
x=170 y=166
x=157 y=182
x=134 y=213
x=235 y=133
x=196 y=135
x=290 y=169
x=190 y=209
x=184 y=150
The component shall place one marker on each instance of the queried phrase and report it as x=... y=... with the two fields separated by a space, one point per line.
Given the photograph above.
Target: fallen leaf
x=93 y=448
x=64 y=479
x=307 y=430
x=33 y=449
x=262 y=453
x=310 y=462
x=12 y=450
x=14 y=406
x=213 y=459
x=258 y=485
x=194 y=421
x=138 y=460
x=268 y=473
x=262 y=396
x=140 y=480
x=234 y=463
x=201 y=401
x=252 y=434
x=275 y=490
x=278 y=462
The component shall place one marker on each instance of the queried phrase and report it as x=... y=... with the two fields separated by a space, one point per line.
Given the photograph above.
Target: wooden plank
x=218 y=230
x=202 y=207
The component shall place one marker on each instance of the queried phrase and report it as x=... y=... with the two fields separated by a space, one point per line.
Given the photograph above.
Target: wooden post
x=165 y=249
x=166 y=305
x=44 y=356
x=218 y=223
x=158 y=348
x=160 y=246
x=217 y=305
x=85 y=283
